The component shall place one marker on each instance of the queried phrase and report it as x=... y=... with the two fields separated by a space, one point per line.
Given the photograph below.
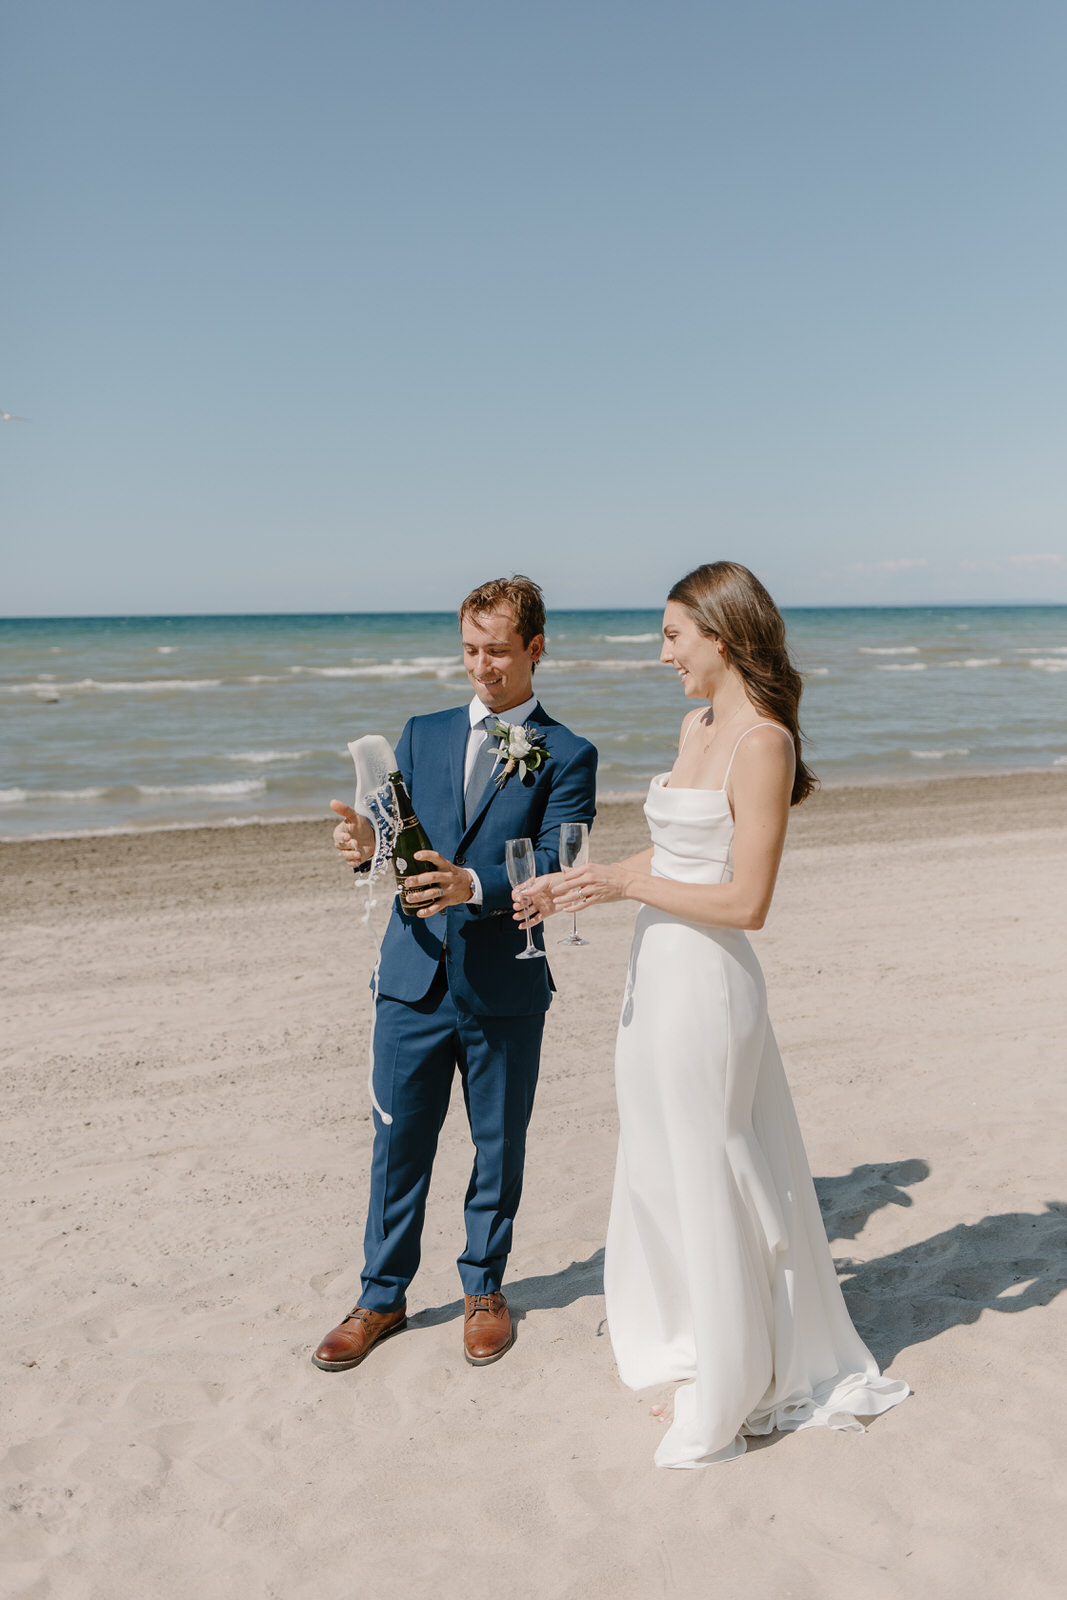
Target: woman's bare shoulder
x=688 y=720
x=763 y=748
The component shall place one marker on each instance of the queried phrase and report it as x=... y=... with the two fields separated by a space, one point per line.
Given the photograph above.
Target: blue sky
x=335 y=306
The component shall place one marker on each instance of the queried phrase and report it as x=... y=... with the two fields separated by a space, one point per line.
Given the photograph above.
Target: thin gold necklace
x=725 y=723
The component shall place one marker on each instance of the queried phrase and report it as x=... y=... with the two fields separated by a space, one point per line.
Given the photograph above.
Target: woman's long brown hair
x=728 y=602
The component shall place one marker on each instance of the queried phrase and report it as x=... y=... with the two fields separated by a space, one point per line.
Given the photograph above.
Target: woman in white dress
x=717 y=1271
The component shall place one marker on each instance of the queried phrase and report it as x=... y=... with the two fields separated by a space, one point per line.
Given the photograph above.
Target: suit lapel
x=457 y=751
x=542 y=720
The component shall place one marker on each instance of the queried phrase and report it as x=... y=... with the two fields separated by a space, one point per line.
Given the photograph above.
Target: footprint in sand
x=322 y=1280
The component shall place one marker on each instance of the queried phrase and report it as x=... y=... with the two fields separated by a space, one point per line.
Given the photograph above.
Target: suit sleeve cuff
x=476 y=888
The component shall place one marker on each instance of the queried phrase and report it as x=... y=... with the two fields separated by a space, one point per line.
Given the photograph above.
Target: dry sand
x=186 y=1171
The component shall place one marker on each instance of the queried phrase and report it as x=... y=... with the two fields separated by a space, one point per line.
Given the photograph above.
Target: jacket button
x=460 y=861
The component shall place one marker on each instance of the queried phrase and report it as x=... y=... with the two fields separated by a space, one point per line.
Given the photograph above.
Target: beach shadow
x=850 y=1201
x=549 y=1292
x=1006 y=1263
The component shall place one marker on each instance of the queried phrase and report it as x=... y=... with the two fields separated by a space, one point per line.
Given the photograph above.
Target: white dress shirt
x=479 y=733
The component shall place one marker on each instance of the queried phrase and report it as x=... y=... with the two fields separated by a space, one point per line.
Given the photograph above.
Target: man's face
x=499 y=666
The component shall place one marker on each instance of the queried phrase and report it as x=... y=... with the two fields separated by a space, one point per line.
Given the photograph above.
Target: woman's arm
x=760 y=789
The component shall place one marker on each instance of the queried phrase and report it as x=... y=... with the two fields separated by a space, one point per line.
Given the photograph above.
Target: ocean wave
x=260 y=758
x=901 y=666
x=266 y=677
x=630 y=638
x=888 y=649
x=166 y=649
x=1045 y=649
x=390 y=670
x=1049 y=663
x=17 y=797
x=604 y=664
x=815 y=672
x=1060 y=761
x=122 y=829
x=220 y=790
x=978 y=661
x=116 y=686
x=937 y=755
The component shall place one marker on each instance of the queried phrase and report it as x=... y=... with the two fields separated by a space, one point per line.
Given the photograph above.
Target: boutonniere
x=520 y=746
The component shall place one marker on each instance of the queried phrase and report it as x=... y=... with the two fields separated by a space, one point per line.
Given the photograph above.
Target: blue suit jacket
x=481 y=942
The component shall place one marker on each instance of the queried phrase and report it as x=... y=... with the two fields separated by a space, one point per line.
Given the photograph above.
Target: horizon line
x=837 y=605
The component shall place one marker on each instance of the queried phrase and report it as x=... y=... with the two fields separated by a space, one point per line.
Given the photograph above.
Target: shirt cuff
x=476 y=889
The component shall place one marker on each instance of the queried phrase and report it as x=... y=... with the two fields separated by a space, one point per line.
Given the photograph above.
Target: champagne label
x=400 y=864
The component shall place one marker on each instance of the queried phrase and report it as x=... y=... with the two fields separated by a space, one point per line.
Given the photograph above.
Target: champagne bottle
x=411 y=836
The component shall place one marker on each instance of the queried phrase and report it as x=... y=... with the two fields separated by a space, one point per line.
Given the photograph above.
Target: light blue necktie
x=481 y=771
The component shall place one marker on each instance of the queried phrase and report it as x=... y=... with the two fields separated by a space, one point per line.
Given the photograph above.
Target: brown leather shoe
x=487 y=1330
x=346 y=1345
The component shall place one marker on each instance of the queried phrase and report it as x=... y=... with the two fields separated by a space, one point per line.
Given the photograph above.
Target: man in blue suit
x=450 y=992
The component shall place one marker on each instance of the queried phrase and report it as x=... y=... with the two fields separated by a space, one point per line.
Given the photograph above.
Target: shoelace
x=480 y=1302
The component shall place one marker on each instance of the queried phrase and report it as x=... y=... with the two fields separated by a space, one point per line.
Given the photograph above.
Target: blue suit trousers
x=418 y=1046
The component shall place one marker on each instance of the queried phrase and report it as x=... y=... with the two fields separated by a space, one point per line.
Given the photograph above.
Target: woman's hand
x=592 y=885
x=534 y=901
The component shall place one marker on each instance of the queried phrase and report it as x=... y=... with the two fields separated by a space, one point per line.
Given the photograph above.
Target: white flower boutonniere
x=520 y=746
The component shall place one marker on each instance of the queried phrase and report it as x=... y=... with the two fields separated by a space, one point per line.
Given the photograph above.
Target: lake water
x=111 y=724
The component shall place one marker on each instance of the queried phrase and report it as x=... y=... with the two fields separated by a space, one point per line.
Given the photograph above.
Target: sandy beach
x=186 y=1157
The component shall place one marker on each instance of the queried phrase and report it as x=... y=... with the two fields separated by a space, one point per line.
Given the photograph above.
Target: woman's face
x=695 y=658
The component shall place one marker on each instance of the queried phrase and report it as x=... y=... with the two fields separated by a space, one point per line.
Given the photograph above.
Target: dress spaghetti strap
x=766 y=723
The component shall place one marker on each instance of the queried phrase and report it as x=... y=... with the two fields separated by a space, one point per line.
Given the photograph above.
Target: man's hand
x=448 y=885
x=354 y=837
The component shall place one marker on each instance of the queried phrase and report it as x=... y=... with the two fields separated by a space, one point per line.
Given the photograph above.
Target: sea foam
x=261 y=758
x=221 y=790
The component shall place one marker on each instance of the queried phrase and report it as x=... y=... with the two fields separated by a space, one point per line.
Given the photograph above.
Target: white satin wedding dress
x=717 y=1270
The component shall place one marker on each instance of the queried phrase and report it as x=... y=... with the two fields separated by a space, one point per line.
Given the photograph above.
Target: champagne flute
x=519 y=855
x=573 y=852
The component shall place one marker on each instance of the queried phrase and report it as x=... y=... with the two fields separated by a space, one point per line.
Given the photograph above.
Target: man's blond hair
x=522 y=597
